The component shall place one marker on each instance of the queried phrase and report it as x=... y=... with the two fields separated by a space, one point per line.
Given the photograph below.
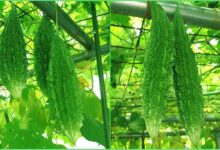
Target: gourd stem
x=97 y=49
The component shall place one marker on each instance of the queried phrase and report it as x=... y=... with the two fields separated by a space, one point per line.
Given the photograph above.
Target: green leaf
x=16 y=138
x=135 y=116
x=176 y=143
x=2 y=120
x=209 y=144
x=218 y=46
x=2 y=4
x=137 y=125
x=135 y=143
x=93 y=130
x=120 y=19
x=31 y=111
x=92 y=106
x=120 y=121
x=86 y=5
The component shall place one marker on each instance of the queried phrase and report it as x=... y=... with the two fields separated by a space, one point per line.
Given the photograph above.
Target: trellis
x=192 y=15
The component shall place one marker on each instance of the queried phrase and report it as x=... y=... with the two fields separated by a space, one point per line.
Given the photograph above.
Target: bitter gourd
x=187 y=83
x=42 y=50
x=64 y=90
x=13 y=60
x=157 y=70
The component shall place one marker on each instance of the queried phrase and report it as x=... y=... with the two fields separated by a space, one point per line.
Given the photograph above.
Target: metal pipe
x=145 y=134
x=54 y=12
x=208 y=118
x=194 y=15
x=105 y=49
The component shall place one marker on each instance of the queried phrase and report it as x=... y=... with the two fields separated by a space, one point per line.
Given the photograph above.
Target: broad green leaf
x=93 y=130
x=16 y=138
x=137 y=125
x=120 y=121
x=120 y=19
x=134 y=116
x=209 y=143
x=135 y=143
x=92 y=106
x=2 y=4
x=31 y=111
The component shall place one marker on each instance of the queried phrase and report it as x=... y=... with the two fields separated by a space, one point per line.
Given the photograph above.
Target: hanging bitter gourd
x=157 y=70
x=187 y=83
x=13 y=60
x=42 y=50
x=64 y=90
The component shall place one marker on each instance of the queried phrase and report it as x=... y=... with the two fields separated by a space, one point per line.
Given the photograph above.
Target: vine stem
x=97 y=49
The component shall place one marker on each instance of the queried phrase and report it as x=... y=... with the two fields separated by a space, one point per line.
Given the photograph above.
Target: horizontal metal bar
x=208 y=118
x=105 y=49
x=54 y=12
x=175 y=119
x=142 y=134
x=212 y=93
x=195 y=15
x=170 y=98
x=145 y=134
x=133 y=28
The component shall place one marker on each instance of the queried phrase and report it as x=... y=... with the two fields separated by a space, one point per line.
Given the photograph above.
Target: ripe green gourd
x=13 y=60
x=42 y=48
x=157 y=70
x=187 y=83
x=64 y=90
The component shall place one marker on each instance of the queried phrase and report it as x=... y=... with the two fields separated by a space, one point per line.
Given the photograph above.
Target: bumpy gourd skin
x=187 y=82
x=157 y=70
x=42 y=48
x=64 y=91
x=13 y=60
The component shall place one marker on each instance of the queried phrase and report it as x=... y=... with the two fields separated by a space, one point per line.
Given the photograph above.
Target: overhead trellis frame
x=194 y=15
